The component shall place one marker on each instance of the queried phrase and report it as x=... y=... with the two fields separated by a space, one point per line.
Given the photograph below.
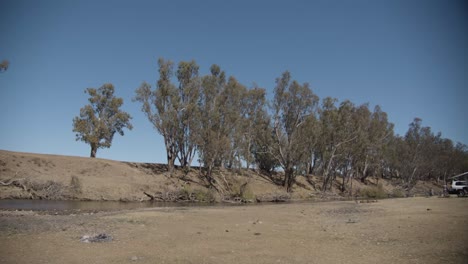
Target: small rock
x=257 y=234
x=84 y=239
x=134 y=258
x=227 y=231
x=257 y=222
x=98 y=238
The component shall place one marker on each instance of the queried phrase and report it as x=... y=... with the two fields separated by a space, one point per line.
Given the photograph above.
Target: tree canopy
x=101 y=118
x=228 y=125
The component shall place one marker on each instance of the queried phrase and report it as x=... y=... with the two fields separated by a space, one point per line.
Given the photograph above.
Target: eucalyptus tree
x=292 y=106
x=460 y=158
x=101 y=118
x=381 y=133
x=254 y=115
x=211 y=142
x=263 y=139
x=376 y=133
x=444 y=163
x=312 y=129
x=232 y=110
x=338 y=129
x=396 y=157
x=418 y=139
x=188 y=111
x=162 y=106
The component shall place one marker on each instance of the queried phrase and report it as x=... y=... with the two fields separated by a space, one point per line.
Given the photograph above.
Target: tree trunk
x=410 y=179
x=171 y=156
x=170 y=161
x=312 y=165
x=364 y=171
x=93 y=151
x=288 y=178
x=247 y=158
x=326 y=175
x=343 y=183
x=170 y=164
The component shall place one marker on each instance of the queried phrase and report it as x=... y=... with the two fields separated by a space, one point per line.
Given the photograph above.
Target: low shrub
x=206 y=196
x=242 y=191
x=374 y=192
x=49 y=190
x=398 y=193
x=188 y=193
x=75 y=185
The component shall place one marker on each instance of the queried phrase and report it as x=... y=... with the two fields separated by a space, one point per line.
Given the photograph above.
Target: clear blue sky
x=408 y=56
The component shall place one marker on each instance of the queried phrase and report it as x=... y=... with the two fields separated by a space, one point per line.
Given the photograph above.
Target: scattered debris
x=236 y=200
x=97 y=238
x=257 y=222
x=366 y=201
x=274 y=198
x=134 y=258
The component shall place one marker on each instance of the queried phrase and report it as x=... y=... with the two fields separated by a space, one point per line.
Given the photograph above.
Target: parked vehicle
x=459 y=185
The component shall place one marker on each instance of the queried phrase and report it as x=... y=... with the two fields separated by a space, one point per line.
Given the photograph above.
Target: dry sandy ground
x=410 y=230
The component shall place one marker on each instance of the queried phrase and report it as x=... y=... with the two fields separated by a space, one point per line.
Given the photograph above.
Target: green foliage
x=101 y=118
x=265 y=160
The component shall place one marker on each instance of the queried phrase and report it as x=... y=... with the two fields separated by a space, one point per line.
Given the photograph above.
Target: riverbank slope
x=41 y=176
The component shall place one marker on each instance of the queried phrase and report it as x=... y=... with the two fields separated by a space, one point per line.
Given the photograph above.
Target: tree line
x=228 y=125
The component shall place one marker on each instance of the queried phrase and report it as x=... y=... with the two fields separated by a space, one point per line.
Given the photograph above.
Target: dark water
x=48 y=205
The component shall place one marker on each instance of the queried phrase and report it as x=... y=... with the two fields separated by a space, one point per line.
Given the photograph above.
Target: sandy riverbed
x=413 y=230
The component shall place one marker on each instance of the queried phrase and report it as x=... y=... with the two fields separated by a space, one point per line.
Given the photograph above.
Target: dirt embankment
x=40 y=176
x=413 y=230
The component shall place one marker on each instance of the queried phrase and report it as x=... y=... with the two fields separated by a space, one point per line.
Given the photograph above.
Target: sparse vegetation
x=184 y=194
x=131 y=180
x=241 y=190
x=374 y=192
x=397 y=193
x=76 y=188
